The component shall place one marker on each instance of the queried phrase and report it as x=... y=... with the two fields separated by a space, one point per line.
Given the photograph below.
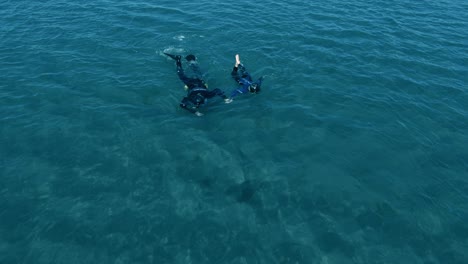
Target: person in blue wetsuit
x=245 y=81
x=197 y=89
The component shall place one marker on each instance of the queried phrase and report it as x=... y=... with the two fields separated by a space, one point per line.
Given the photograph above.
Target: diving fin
x=174 y=57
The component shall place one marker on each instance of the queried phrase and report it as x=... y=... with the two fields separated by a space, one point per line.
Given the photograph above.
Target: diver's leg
x=244 y=73
x=180 y=71
x=238 y=62
x=195 y=70
x=235 y=70
x=239 y=69
x=235 y=74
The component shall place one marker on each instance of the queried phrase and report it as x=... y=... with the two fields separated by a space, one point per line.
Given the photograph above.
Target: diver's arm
x=183 y=104
x=260 y=80
x=241 y=89
x=191 y=110
x=236 y=92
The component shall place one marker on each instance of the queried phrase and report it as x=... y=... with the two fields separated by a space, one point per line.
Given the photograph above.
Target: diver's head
x=254 y=88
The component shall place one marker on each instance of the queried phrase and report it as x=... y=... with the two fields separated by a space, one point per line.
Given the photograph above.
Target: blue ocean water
x=355 y=151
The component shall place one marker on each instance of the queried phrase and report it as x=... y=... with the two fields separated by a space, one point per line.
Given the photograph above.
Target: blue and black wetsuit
x=246 y=84
x=197 y=93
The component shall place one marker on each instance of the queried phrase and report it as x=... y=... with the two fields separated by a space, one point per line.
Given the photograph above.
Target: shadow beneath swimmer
x=244 y=192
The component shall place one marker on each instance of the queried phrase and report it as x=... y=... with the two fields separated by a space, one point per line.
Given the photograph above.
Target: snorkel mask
x=254 y=88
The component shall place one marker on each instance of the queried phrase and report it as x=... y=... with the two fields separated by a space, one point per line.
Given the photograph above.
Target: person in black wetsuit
x=243 y=78
x=197 y=89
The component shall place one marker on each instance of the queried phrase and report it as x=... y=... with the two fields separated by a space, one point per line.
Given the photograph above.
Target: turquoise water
x=355 y=151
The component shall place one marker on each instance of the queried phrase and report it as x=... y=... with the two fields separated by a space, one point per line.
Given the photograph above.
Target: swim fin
x=174 y=57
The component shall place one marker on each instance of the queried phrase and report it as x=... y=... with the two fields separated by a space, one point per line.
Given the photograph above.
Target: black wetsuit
x=197 y=92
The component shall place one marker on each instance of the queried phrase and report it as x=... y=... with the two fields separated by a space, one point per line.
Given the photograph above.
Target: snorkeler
x=243 y=78
x=197 y=89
